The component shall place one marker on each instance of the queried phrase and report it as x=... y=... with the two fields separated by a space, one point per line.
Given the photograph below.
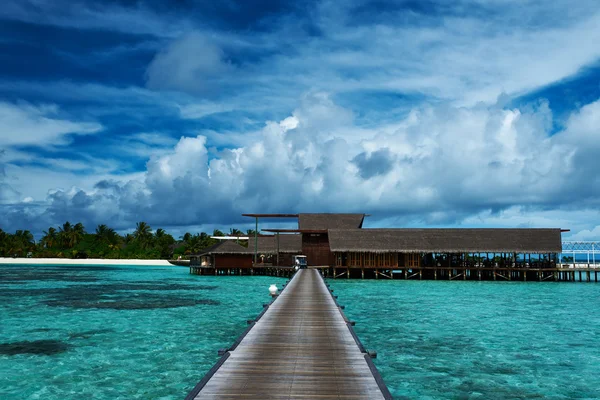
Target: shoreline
x=87 y=261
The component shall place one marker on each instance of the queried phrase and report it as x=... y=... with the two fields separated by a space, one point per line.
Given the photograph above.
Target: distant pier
x=460 y=273
x=300 y=347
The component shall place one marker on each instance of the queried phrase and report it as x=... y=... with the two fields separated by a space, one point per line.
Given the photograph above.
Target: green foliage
x=73 y=241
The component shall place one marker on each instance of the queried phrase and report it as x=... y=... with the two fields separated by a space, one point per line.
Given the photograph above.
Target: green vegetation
x=73 y=241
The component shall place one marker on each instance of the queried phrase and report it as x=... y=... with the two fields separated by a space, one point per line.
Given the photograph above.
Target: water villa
x=339 y=246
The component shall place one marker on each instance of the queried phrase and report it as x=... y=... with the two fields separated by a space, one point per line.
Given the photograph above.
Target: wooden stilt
x=376 y=274
x=362 y=273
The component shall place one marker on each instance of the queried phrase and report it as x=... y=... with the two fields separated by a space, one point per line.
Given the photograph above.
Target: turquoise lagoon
x=152 y=332
x=479 y=340
x=117 y=332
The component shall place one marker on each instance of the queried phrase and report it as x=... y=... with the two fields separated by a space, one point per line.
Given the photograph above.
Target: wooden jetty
x=300 y=347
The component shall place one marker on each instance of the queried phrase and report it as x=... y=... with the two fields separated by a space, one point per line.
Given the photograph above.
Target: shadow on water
x=129 y=302
x=117 y=296
x=39 y=347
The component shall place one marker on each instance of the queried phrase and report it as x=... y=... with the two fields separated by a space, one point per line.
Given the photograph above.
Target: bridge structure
x=300 y=347
x=577 y=254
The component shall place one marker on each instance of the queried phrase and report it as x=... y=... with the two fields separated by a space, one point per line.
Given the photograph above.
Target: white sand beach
x=89 y=261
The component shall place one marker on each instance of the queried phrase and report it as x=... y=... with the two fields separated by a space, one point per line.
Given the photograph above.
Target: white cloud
x=442 y=166
x=38 y=125
x=192 y=63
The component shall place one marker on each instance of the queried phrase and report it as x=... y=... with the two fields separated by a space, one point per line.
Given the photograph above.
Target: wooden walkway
x=301 y=347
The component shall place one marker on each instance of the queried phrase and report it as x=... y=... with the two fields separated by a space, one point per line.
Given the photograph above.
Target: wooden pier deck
x=301 y=347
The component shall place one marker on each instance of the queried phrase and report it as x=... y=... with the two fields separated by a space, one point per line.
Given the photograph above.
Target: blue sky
x=185 y=114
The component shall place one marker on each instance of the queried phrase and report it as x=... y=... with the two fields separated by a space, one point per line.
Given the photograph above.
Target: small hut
x=225 y=254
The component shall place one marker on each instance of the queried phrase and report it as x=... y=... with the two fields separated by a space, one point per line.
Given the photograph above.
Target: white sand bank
x=89 y=261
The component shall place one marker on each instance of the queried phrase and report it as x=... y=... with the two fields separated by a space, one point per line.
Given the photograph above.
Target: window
x=412 y=259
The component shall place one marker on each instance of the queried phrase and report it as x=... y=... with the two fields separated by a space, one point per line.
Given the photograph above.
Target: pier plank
x=301 y=348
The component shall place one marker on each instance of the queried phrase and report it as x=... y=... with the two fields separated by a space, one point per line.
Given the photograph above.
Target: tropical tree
x=235 y=232
x=217 y=232
x=50 y=238
x=143 y=234
x=107 y=236
x=71 y=235
x=186 y=237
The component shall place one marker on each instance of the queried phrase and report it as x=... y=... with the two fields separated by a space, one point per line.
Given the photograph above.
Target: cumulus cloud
x=23 y=124
x=439 y=165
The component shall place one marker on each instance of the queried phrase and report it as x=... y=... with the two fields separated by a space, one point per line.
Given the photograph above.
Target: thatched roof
x=226 y=247
x=268 y=244
x=330 y=221
x=446 y=240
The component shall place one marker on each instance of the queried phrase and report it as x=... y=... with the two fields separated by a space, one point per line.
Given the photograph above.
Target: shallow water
x=479 y=340
x=117 y=332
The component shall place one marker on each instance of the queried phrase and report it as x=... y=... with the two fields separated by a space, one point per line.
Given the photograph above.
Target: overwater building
x=340 y=246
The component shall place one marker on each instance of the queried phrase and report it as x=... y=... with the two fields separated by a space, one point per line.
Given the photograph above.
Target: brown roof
x=446 y=240
x=330 y=221
x=226 y=247
x=268 y=244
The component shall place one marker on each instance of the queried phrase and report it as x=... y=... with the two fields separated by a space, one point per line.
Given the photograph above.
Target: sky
x=186 y=114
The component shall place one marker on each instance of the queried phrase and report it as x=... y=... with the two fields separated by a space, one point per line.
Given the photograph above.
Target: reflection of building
x=340 y=244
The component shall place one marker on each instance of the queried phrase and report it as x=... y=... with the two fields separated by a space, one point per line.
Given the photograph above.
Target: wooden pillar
x=278 y=249
x=347 y=273
x=362 y=272
x=435 y=274
x=376 y=273
x=334 y=273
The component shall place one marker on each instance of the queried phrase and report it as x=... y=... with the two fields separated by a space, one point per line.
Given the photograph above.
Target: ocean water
x=479 y=340
x=117 y=332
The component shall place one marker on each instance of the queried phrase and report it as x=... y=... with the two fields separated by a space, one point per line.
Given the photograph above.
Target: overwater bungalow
x=339 y=246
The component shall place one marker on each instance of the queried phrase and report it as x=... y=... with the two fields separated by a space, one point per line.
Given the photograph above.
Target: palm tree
x=217 y=232
x=160 y=233
x=72 y=235
x=143 y=233
x=235 y=232
x=142 y=230
x=186 y=237
x=22 y=241
x=101 y=232
x=63 y=233
x=107 y=235
x=49 y=238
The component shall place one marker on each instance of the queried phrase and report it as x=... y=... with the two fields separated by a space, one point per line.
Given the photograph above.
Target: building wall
x=233 y=261
x=315 y=246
